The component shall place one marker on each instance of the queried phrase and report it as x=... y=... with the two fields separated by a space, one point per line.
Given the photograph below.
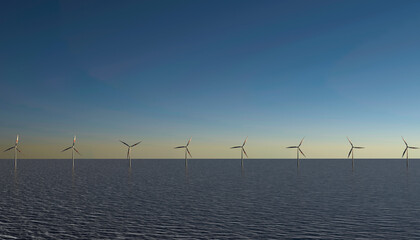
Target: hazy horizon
x=165 y=150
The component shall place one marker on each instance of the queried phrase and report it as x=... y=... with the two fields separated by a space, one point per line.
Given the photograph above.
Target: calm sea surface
x=157 y=199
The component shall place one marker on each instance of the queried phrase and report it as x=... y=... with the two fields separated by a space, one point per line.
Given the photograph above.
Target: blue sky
x=162 y=71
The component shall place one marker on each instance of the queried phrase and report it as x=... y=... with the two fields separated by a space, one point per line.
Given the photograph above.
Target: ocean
x=211 y=199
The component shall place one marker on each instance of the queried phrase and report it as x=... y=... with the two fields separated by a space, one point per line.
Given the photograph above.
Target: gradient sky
x=162 y=71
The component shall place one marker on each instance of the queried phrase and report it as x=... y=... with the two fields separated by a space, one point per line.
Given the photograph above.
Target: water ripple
x=156 y=199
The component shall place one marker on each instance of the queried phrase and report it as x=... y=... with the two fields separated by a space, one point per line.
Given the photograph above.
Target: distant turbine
x=298 y=150
x=352 y=151
x=186 y=151
x=129 y=149
x=242 y=151
x=406 y=150
x=73 y=149
x=16 y=149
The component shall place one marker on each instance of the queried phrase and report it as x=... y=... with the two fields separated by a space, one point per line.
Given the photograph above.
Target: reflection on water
x=186 y=171
x=209 y=199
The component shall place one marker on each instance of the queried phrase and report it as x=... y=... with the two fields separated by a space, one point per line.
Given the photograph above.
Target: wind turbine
x=406 y=149
x=242 y=151
x=352 y=152
x=16 y=149
x=298 y=150
x=186 y=151
x=73 y=149
x=129 y=149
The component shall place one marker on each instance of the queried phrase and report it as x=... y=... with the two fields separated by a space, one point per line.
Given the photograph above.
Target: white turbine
x=352 y=152
x=242 y=151
x=187 y=151
x=15 y=148
x=298 y=150
x=129 y=149
x=73 y=149
x=406 y=150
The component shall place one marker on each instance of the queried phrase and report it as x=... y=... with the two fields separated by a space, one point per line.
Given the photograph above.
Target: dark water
x=214 y=199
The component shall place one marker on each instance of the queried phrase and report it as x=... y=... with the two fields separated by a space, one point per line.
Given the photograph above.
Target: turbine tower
x=298 y=150
x=352 y=151
x=73 y=149
x=187 y=151
x=242 y=151
x=406 y=150
x=129 y=149
x=16 y=149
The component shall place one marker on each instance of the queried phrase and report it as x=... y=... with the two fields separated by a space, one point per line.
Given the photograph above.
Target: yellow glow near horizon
x=213 y=149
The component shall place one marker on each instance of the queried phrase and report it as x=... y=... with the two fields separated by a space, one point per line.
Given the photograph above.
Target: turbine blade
x=125 y=143
x=188 y=151
x=18 y=149
x=404 y=151
x=128 y=153
x=8 y=149
x=413 y=147
x=351 y=149
x=243 y=149
x=359 y=147
x=301 y=142
x=301 y=152
x=66 y=149
x=17 y=139
x=188 y=143
x=404 y=141
x=245 y=141
x=180 y=147
x=136 y=144
x=77 y=151
x=236 y=147
x=292 y=147
x=350 y=141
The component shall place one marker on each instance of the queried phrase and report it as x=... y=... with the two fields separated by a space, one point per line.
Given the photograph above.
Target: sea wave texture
x=212 y=198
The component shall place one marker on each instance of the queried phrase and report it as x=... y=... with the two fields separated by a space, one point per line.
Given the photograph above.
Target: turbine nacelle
x=129 y=147
x=352 y=147
x=72 y=146
x=186 y=148
x=407 y=147
x=298 y=147
x=15 y=146
x=242 y=147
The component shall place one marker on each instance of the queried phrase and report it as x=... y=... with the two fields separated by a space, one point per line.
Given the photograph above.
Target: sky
x=216 y=71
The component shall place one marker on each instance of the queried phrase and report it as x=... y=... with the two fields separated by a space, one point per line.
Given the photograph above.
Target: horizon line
x=210 y=159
